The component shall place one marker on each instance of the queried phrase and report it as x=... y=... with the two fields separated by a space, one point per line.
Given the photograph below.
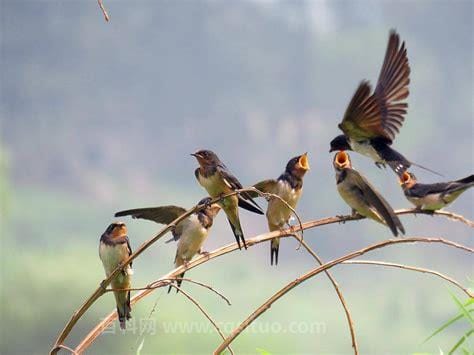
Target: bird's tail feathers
x=249 y=207
x=239 y=235
x=123 y=307
x=274 y=249
x=425 y=168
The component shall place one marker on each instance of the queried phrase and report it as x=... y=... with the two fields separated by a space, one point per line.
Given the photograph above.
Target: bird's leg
x=203 y=252
x=103 y=285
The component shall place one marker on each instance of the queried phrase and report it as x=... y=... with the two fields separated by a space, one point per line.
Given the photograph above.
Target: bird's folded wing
x=234 y=184
x=376 y=200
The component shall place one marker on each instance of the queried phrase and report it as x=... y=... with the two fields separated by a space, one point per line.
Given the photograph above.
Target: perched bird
x=371 y=121
x=289 y=186
x=190 y=233
x=214 y=176
x=433 y=196
x=361 y=196
x=114 y=249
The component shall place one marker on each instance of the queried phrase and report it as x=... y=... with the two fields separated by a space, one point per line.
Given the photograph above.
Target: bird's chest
x=429 y=202
x=365 y=148
x=277 y=212
x=192 y=238
x=112 y=256
x=214 y=185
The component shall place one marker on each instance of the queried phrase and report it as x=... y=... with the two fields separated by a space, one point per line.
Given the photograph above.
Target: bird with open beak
x=214 y=176
x=190 y=233
x=371 y=121
x=289 y=186
x=361 y=196
x=114 y=250
x=433 y=197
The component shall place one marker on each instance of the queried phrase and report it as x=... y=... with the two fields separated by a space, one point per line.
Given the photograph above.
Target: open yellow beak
x=342 y=159
x=303 y=161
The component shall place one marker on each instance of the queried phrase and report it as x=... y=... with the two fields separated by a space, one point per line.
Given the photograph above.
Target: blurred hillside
x=96 y=117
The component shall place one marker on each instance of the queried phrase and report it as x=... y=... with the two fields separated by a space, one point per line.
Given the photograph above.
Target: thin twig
x=104 y=11
x=412 y=268
x=202 y=259
x=350 y=321
x=163 y=282
x=100 y=290
x=62 y=346
x=267 y=304
x=188 y=296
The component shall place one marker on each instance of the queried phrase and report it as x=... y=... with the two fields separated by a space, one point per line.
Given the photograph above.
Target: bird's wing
x=232 y=182
x=268 y=186
x=129 y=249
x=162 y=214
x=375 y=200
x=382 y=113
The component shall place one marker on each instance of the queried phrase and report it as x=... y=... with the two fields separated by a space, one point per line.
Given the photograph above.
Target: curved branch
x=101 y=289
x=163 y=282
x=267 y=304
x=202 y=259
x=104 y=11
x=350 y=321
x=188 y=296
x=412 y=268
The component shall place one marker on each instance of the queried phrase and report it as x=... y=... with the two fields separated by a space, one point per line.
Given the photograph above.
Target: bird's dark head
x=407 y=180
x=339 y=143
x=116 y=229
x=206 y=158
x=342 y=161
x=298 y=166
x=211 y=210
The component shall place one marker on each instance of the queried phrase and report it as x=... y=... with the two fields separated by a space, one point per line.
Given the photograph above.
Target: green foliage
x=466 y=309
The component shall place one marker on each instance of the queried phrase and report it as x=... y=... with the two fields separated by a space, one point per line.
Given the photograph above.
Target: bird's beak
x=194 y=155
x=331 y=150
x=303 y=161
x=342 y=159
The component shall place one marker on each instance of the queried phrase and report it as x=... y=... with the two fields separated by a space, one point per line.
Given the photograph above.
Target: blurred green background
x=98 y=117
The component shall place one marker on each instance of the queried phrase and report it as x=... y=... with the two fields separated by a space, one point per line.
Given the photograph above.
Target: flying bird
x=190 y=233
x=433 y=197
x=361 y=196
x=114 y=249
x=289 y=186
x=214 y=176
x=372 y=120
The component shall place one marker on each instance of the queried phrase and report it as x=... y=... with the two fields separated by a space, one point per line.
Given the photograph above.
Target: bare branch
x=350 y=321
x=267 y=304
x=101 y=289
x=163 y=282
x=412 y=268
x=104 y=11
x=188 y=296
x=202 y=259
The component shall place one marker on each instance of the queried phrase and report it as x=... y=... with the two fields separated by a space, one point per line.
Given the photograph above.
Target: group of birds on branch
x=369 y=126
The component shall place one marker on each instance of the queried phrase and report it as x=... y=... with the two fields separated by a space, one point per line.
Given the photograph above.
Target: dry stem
x=267 y=304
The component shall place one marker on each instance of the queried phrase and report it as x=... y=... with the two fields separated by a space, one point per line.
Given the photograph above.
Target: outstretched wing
x=269 y=186
x=234 y=184
x=374 y=199
x=382 y=113
x=162 y=214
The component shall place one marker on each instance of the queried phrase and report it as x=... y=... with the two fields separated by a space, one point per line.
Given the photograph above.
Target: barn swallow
x=361 y=196
x=433 y=197
x=289 y=186
x=214 y=176
x=371 y=121
x=114 y=249
x=190 y=233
